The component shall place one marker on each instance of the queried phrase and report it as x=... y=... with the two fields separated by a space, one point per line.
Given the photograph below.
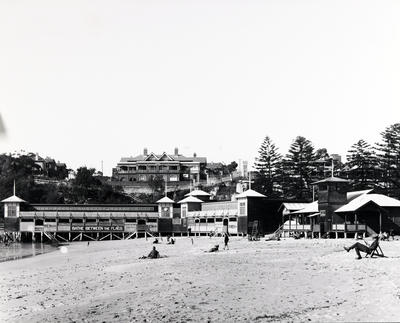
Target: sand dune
x=290 y=280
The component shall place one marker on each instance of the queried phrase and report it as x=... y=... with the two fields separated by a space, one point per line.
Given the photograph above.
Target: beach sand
x=260 y=281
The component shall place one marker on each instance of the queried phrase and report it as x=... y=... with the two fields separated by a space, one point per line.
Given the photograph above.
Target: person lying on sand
x=214 y=249
x=155 y=241
x=273 y=237
x=364 y=248
x=152 y=255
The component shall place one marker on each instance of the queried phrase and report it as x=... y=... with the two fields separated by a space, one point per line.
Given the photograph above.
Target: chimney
x=176 y=151
x=194 y=155
x=145 y=151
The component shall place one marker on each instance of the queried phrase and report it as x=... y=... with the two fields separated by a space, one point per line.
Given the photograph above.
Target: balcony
x=298 y=227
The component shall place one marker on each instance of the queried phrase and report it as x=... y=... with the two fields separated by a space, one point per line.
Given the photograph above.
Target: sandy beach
x=289 y=280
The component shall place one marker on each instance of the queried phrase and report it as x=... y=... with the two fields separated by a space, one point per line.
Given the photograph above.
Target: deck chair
x=376 y=252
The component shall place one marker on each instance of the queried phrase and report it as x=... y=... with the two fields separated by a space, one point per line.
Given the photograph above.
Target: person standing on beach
x=226 y=240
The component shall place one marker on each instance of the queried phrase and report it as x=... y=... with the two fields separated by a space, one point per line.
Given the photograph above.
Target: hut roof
x=355 y=194
x=332 y=180
x=309 y=208
x=165 y=199
x=197 y=193
x=362 y=200
x=294 y=206
x=14 y=199
x=249 y=193
x=190 y=199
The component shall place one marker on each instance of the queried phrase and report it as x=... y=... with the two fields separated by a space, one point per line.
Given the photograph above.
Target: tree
x=389 y=159
x=361 y=165
x=298 y=168
x=268 y=164
x=157 y=184
x=232 y=167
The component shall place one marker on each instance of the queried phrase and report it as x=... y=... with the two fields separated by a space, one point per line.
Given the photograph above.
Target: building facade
x=171 y=167
x=339 y=213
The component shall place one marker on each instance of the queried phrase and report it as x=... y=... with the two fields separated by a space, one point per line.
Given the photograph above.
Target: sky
x=90 y=81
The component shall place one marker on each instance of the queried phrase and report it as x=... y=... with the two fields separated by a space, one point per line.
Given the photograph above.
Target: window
x=142 y=178
x=12 y=209
x=202 y=220
x=165 y=211
x=232 y=219
x=210 y=220
x=153 y=168
x=163 y=167
x=151 y=220
x=63 y=220
x=173 y=178
x=184 y=210
x=39 y=222
x=142 y=167
x=196 y=220
x=130 y=220
x=218 y=220
x=173 y=167
x=242 y=208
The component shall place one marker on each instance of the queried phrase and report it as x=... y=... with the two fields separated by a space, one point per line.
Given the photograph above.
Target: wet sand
x=289 y=280
x=16 y=251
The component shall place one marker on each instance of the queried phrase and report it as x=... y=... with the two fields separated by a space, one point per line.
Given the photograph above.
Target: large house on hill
x=171 y=167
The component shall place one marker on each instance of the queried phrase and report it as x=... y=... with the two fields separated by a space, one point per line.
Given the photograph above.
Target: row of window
x=213 y=220
x=151 y=167
x=145 y=178
x=67 y=221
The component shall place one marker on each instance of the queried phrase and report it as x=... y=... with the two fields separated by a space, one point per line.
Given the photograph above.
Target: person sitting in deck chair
x=214 y=249
x=364 y=248
x=171 y=241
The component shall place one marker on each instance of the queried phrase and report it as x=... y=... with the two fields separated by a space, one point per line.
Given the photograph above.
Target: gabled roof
x=190 y=199
x=14 y=199
x=165 y=155
x=294 y=206
x=353 y=195
x=309 y=208
x=362 y=200
x=178 y=158
x=151 y=156
x=249 y=193
x=332 y=180
x=197 y=193
x=165 y=199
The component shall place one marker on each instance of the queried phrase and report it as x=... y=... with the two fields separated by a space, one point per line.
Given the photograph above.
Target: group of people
x=216 y=247
x=155 y=254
